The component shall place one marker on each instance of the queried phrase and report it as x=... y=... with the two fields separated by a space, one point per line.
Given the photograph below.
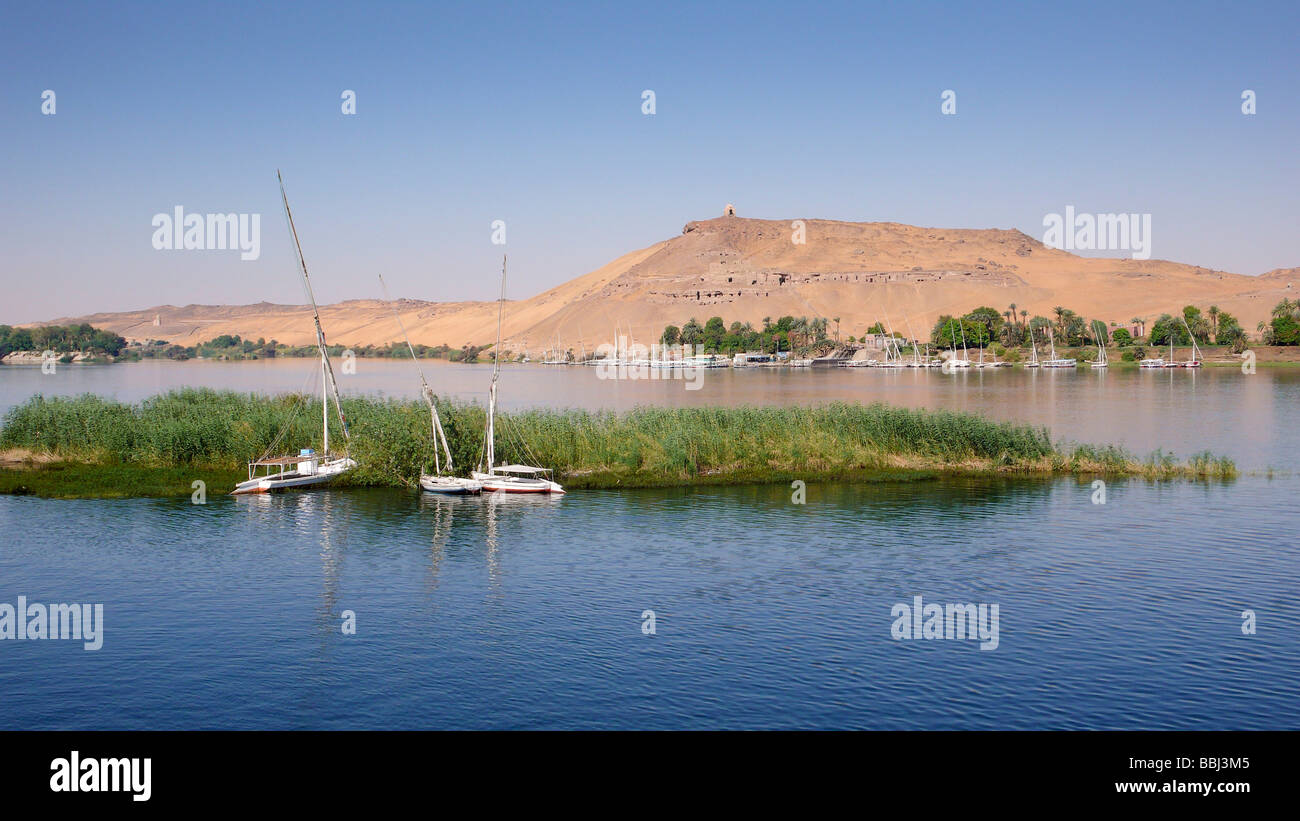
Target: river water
x=534 y=613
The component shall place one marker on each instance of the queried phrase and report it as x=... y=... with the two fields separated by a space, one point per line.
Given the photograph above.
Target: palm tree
x=1140 y=324
x=1214 y=321
x=1060 y=319
x=837 y=329
x=800 y=328
x=1024 y=316
x=819 y=326
x=1012 y=306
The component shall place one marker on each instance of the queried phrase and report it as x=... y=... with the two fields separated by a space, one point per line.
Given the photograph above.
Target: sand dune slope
x=748 y=269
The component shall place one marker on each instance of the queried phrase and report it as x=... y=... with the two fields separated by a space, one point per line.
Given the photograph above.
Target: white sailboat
x=1101 y=361
x=507 y=478
x=1172 y=363
x=1152 y=362
x=893 y=353
x=438 y=481
x=1033 y=360
x=953 y=362
x=1195 y=360
x=308 y=467
x=1055 y=362
x=916 y=354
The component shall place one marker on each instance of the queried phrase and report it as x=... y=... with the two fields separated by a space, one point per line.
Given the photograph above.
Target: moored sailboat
x=1195 y=360
x=1055 y=362
x=439 y=481
x=507 y=478
x=1101 y=361
x=953 y=362
x=308 y=467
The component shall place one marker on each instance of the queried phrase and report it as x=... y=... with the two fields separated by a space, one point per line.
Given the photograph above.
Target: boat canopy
x=524 y=469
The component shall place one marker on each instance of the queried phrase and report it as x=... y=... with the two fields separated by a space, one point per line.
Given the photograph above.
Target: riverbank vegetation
x=229 y=347
x=1015 y=329
x=61 y=339
x=187 y=434
x=1013 y=332
x=787 y=334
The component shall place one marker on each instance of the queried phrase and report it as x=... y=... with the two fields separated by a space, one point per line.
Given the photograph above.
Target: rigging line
x=297 y=406
x=320 y=332
x=490 y=429
x=426 y=391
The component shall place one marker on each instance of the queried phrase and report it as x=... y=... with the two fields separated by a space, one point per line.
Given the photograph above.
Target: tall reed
x=392 y=443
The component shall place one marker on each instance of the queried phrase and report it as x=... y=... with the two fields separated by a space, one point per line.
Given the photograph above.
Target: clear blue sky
x=532 y=114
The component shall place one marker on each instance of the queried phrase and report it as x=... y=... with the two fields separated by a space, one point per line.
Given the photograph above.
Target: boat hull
x=450 y=485
x=494 y=483
x=326 y=472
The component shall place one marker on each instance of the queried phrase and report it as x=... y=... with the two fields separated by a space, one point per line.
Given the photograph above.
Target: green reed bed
x=221 y=431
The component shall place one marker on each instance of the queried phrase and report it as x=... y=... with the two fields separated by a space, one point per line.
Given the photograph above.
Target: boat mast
x=327 y=371
x=1195 y=351
x=425 y=390
x=496 y=373
x=916 y=361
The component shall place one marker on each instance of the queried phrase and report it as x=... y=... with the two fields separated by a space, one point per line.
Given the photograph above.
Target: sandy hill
x=748 y=269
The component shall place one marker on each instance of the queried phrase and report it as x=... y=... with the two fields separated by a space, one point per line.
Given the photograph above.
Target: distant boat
x=1195 y=360
x=308 y=468
x=1033 y=360
x=438 y=481
x=953 y=362
x=1054 y=362
x=1172 y=363
x=916 y=353
x=1101 y=360
x=507 y=478
x=994 y=364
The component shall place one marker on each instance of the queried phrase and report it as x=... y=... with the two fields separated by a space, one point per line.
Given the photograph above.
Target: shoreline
x=1282 y=356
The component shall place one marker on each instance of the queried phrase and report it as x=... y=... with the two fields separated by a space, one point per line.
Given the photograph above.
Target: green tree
x=714 y=330
x=988 y=318
x=692 y=333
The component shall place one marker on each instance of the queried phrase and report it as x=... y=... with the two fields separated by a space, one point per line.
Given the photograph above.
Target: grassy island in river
x=88 y=446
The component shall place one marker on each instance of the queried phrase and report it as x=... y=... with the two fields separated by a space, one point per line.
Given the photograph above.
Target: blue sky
x=532 y=114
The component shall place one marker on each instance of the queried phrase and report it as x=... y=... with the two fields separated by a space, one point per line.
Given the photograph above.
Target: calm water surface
x=527 y=613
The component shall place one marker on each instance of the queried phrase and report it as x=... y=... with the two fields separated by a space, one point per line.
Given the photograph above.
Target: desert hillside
x=748 y=269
